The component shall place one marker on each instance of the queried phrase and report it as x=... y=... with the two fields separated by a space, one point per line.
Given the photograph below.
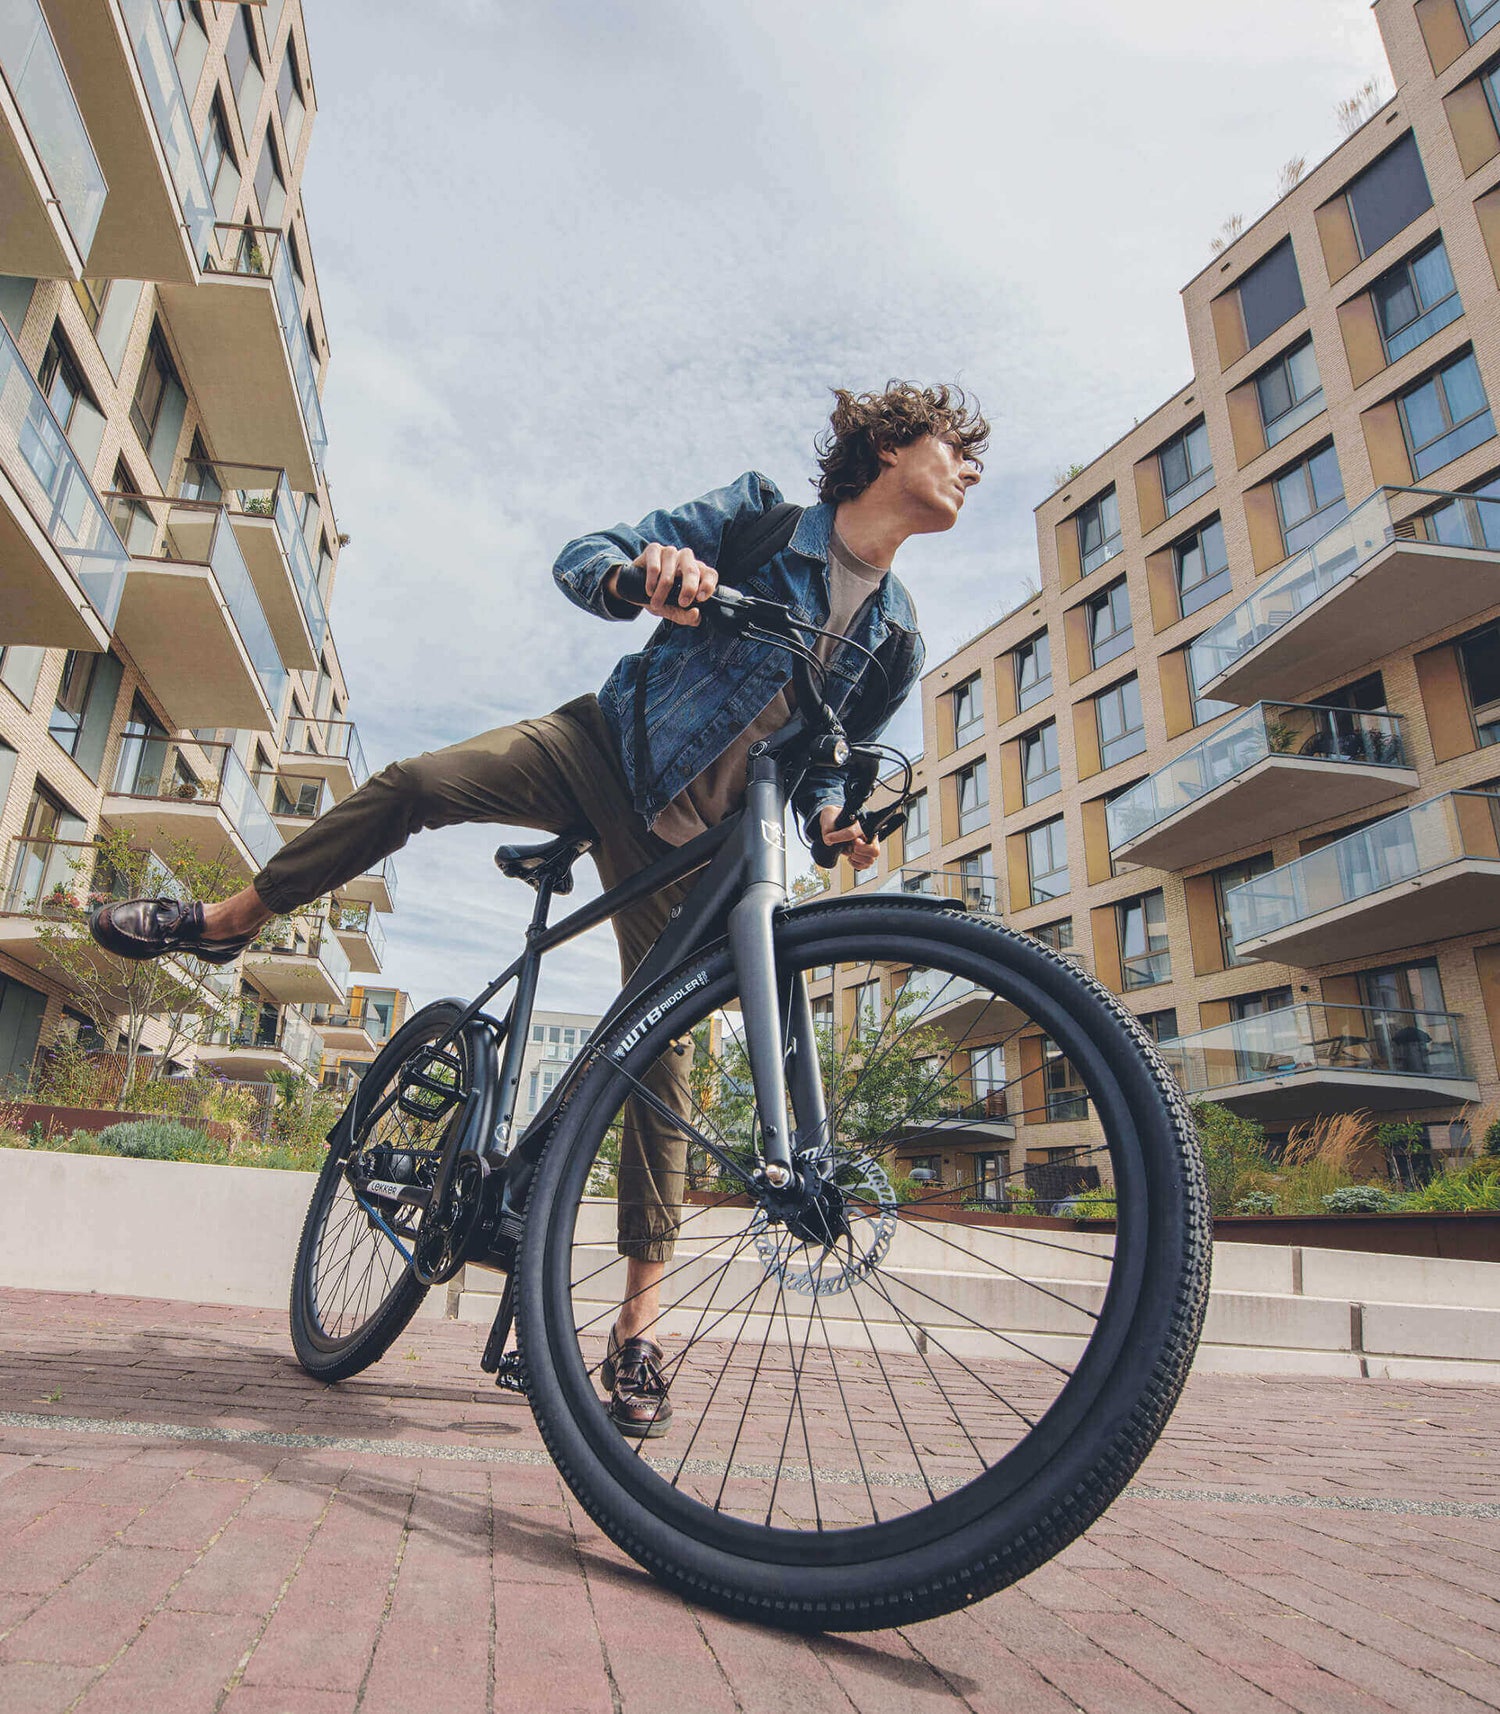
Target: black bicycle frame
x=742 y=886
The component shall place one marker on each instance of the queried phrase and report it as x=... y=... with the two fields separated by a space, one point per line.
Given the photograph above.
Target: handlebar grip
x=630 y=585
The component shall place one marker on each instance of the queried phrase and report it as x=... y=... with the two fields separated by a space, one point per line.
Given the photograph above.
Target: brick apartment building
x=1236 y=757
x=168 y=547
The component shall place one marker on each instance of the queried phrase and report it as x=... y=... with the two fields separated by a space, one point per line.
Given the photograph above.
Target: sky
x=579 y=260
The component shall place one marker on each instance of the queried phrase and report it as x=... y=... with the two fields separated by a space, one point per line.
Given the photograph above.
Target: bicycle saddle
x=550 y=862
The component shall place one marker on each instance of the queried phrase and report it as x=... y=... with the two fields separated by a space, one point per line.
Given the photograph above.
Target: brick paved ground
x=150 y=1572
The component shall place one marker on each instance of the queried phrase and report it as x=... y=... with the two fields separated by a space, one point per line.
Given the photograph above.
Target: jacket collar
x=814 y=528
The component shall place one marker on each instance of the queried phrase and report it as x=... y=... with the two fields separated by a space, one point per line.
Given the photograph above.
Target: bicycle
x=885 y=1408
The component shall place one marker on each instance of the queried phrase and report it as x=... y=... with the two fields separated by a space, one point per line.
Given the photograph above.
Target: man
x=648 y=774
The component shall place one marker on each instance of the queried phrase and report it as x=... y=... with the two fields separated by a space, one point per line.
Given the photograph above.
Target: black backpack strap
x=750 y=541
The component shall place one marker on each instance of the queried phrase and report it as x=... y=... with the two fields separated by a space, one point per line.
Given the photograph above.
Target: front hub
x=811 y=1207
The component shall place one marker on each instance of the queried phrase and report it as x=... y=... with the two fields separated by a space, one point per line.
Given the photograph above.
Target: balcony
x=240 y=333
x=328 y=748
x=255 y=1041
x=1372 y=585
x=961 y=1120
x=377 y=888
x=157 y=220
x=51 y=186
x=62 y=567
x=345 y=1031
x=193 y=622
x=294 y=800
x=167 y=789
x=973 y=892
x=263 y=513
x=361 y=936
x=1422 y=875
x=1276 y=767
x=298 y=961
x=1322 y=1058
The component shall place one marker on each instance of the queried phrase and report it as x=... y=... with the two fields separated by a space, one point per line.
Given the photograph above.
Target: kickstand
x=504 y=1365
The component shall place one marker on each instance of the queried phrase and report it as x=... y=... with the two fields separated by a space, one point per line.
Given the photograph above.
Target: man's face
x=933 y=475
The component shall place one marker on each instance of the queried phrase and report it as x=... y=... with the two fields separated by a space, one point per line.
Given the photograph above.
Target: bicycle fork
x=753 y=949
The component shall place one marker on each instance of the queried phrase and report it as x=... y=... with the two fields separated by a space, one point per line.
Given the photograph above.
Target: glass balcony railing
x=332 y=1018
x=339 y=738
x=174 y=125
x=198 y=532
x=1414 y=842
x=974 y=892
x=55 y=877
x=306 y=938
x=253 y=1026
x=263 y=251
x=360 y=919
x=306 y=796
x=261 y=491
x=1335 y=735
x=1473 y=521
x=167 y=770
x=40 y=89
x=386 y=873
x=1319 y=1036
x=45 y=470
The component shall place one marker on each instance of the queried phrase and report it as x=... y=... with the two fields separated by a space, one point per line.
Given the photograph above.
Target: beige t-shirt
x=719 y=789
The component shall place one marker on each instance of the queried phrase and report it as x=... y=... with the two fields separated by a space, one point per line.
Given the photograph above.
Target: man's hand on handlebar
x=668 y=568
x=860 y=851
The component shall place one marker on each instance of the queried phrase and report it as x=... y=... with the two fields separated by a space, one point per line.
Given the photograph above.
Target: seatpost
x=752 y=946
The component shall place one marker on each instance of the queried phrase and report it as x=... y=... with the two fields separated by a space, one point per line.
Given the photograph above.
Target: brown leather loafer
x=151 y=928
x=638 y=1401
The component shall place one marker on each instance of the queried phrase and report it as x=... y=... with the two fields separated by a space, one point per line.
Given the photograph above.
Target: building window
x=159 y=406
x=972 y=788
x=977 y=881
x=1270 y=294
x=867 y=1009
x=1065 y=1095
x=1415 y=300
x=242 y=58
x=65 y=725
x=1110 y=631
x=7 y=772
x=1040 y=772
x=1145 y=958
x=1160 y=1026
x=78 y=416
x=1099 y=531
x=1122 y=728
x=1225 y=880
x=1289 y=392
x=1047 y=860
x=1388 y=195
x=219 y=164
x=270 y=186
x=290 y=101
x=1479 y=16
x=1186 y=468
x=915 y=837
x=20 y=668
x=1033 y=664
x=1479 y=654
x=1310 y=498
x=1446 y=415
x=1202 y=567
x=968 y=711
x=822 y=1017
x=1058 y=935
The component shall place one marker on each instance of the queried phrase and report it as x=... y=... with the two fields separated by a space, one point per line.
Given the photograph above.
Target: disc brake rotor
x=868 y=1205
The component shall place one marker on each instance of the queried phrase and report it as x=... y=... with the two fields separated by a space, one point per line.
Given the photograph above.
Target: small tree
x=124 y=993
x=1234 y=1154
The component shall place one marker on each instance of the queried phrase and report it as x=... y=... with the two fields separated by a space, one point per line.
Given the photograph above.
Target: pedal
x=435 y=1094
x=509 y=1376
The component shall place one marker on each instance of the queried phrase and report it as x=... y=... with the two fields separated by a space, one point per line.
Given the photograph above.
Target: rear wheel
x=353 y=1286
x=885 y=1404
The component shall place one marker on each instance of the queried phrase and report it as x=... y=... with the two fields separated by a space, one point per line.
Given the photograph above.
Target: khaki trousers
x=560 y=773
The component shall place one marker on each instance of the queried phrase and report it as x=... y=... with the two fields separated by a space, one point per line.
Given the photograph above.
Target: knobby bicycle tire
x=1032 y=1494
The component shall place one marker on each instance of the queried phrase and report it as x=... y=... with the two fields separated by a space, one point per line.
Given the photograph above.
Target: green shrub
x=1360 y=1199
x=1256 y=1202
x=160 y=1140
x=1492 y=1139
x=1096 y=1204
x=1234 y=1154
x=1470 y=1189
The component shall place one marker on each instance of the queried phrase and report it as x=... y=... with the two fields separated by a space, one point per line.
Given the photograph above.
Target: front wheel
x=921 y=1391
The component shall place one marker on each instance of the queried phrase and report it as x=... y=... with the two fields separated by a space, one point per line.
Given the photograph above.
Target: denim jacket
x=704 y=688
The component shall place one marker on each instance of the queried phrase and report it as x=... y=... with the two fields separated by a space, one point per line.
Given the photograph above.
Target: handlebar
x=773 y=623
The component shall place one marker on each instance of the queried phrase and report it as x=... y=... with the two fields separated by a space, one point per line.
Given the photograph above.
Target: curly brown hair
x=865 y=424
